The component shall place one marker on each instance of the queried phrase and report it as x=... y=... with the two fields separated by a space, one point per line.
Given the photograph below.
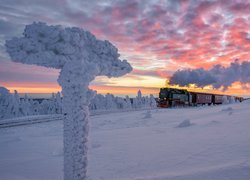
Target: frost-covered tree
x=152 y=101
x=128 y=102
x=80 y=58
x=36 y=108
x=47 y=106
x=146 y=101
x=58 y=103
x=137 y=101
x=52 y=105
x=120 y=103
x=4 y=101
x=110 y=102
x=98 y=102
x=14 y=107
x=26 y=106
x=11 y=105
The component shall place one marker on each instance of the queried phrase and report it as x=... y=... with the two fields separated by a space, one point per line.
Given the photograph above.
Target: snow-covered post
x=80 y=57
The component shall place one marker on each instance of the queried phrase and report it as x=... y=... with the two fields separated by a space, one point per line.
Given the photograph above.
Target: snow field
x=129 y=146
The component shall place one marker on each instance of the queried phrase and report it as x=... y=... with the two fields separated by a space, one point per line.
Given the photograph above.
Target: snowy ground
x=213 y=143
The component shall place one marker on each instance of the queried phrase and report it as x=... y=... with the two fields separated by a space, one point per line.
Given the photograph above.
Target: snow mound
x=96 y=145
x=214 y=122
x=147 y=115
x=229 y=109
x=185 y=123
x=247 y=101
x=58 y=152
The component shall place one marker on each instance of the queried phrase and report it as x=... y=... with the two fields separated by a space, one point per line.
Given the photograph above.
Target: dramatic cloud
x=153 y=35
x=218 y=76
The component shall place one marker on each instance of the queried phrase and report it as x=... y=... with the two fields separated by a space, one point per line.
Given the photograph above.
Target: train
x=172 y=97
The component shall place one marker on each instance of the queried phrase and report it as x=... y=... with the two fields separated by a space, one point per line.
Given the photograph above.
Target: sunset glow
x=157 y=38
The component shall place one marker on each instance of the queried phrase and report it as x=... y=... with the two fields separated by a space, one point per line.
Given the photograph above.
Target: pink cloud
x=178 y=33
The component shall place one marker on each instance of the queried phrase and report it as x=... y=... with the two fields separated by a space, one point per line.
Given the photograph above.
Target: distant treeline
x=12 y=105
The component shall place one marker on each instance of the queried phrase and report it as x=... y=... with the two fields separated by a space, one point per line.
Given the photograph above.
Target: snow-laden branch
x=54 y=46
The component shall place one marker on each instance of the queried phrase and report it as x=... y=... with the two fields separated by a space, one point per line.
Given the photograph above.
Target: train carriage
x=201 y=98
x=171 y=97
x=217 y=99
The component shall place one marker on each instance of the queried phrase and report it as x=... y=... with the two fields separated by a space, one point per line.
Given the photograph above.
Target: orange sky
x=119 y=90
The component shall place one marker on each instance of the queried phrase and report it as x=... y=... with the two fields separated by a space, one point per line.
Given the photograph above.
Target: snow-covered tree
x=47 y=106
x=14 y=108
x=98 y=102
x=145 y=102
x=26 y=106
x=11 y=105
x=128 y=103
x=137 y=101
x=80 y=58
x=110 y=102
x=4 y=101
x=152 y=101
x=36 y=108
x=58 y=103
x=120 y=103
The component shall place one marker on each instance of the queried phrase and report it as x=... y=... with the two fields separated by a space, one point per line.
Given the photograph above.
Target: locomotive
x=171 y=97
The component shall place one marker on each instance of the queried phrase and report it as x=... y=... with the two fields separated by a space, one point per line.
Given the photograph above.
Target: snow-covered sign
x=80 y=57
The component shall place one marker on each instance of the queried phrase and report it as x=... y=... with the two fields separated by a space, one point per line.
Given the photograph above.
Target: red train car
x=217 y=99
x=201 y=98
x=171 y=97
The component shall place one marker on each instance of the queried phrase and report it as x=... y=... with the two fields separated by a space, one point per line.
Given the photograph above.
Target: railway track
x=29 y=120
x=26 y=120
